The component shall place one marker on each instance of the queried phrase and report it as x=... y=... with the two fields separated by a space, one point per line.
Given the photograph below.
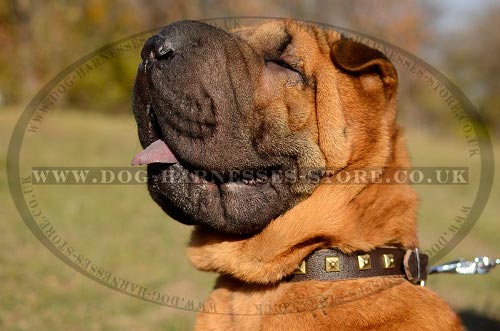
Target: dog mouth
x=236 y=201
x=160 y=154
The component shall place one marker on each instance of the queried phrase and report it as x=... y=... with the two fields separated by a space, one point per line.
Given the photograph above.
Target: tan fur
x=347 y=123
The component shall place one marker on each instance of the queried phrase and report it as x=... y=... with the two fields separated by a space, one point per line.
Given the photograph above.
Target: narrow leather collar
x=332 y=264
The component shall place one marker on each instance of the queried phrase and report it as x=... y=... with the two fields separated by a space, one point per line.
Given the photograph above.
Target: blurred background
x=121 y=229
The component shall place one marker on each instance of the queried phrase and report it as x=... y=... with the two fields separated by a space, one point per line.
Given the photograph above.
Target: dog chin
x=238 y=205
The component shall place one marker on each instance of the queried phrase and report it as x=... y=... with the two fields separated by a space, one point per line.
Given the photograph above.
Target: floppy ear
x=365 y=62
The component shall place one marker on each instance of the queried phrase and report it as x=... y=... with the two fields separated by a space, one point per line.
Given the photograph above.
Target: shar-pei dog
x=249 y=136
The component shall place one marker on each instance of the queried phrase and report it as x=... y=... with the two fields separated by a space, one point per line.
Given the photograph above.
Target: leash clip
x=415 y=266
x=420 y=281
x=480 y=265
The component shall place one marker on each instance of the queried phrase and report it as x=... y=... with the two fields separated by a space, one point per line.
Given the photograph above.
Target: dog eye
x=287 y=66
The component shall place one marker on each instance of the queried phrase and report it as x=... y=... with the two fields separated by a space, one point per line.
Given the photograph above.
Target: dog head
x=236 y=125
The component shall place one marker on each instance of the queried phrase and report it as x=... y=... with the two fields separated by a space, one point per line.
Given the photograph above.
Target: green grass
x=122 y=230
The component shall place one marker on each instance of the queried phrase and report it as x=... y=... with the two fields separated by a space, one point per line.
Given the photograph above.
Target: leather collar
x=331 y=264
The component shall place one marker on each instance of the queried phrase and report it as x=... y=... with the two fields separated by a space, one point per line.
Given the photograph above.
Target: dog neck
x=348 y=217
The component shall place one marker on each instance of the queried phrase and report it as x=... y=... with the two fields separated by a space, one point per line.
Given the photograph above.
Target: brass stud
x=301 y=269
x=388 y=261
x=364 y=262
x=332 y=264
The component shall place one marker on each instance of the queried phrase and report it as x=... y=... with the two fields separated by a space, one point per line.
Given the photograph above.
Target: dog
x=242 y=132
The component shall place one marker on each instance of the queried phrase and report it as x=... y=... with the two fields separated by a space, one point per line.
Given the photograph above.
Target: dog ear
x=365 y=62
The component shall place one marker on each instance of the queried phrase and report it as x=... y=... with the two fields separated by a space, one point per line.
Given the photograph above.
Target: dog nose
x=157 y=48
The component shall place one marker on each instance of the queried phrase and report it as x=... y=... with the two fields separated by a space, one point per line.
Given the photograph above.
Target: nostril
x=157 y=48
x=164 y=53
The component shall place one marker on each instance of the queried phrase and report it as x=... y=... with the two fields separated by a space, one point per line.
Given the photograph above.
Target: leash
x=480 y=265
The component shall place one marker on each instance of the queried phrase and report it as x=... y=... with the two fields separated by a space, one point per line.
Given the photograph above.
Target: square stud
x=364 y=262
x=388 y=261
x=332 y=264
x=301 y=269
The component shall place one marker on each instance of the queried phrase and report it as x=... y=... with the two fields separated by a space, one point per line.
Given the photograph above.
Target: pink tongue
x=157 y=152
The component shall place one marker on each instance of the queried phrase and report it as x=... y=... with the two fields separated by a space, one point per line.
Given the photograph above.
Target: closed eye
x=286 y=66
